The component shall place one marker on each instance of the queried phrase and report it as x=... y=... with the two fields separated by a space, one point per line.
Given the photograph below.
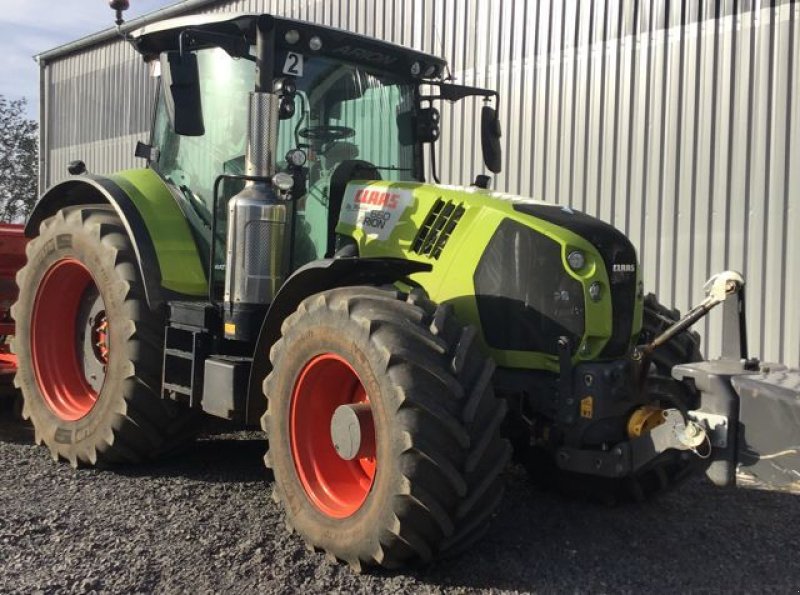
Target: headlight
x=296 y=157
x=576 y=260
x=596 y=291
x=292 y=36
x=283 y=181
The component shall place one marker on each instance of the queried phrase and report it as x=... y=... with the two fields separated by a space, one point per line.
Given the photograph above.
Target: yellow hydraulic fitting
x=644 y=419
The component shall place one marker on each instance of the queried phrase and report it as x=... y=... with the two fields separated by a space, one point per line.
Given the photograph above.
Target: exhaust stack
x=256 y=263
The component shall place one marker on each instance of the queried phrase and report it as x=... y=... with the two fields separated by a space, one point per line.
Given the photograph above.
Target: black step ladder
x=188 y=342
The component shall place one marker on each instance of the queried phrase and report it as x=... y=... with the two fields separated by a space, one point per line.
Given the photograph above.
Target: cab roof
x=154 y=38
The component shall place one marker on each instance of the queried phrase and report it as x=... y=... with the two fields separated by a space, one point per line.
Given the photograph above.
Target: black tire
x=681 y=349
x=668 y=471
x=128 y=421
x=439 y=452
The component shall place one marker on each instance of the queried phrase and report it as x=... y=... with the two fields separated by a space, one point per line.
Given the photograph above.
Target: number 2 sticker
x=293 y=65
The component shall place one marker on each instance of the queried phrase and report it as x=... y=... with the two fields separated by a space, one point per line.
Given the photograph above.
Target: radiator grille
x=437 y=228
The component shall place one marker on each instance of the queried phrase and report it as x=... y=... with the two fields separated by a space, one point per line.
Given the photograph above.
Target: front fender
x=315 y=277
x=166 y=252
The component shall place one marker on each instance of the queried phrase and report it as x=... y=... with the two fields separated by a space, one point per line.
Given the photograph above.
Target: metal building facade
x=678 y=122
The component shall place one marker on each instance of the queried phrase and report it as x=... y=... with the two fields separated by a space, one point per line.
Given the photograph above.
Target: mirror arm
x=453 y=92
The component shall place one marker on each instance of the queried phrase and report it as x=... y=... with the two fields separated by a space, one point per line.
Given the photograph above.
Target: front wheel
x=383 y=427
x=89 y=348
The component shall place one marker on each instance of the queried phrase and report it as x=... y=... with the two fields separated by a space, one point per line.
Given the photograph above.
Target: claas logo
x=376 y=198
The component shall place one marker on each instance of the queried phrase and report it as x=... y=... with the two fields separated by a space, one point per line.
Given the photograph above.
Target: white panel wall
x=678 y=122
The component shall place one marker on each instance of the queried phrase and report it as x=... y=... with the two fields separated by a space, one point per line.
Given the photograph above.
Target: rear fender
x=166 y=252
x=315 y=277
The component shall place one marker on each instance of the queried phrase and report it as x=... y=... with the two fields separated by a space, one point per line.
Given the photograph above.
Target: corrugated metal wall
x=97 y=105
x=678 y=122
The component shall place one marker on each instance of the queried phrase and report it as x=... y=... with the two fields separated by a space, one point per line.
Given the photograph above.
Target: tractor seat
x=345 y=172
x=340 y=152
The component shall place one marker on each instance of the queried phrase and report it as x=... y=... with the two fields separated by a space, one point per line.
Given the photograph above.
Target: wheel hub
x=353 y=431
x=93 y=342
x=332 y=436
x=69 y=339
x=100 y=337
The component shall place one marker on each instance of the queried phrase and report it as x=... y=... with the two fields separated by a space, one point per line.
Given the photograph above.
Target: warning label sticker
x=376 y=211
x=587 y=407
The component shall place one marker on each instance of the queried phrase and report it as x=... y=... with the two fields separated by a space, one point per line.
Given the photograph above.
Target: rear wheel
x=90 y=349
x=383 y=427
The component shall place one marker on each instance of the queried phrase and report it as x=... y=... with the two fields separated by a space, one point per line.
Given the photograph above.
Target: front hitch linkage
x=718 y=288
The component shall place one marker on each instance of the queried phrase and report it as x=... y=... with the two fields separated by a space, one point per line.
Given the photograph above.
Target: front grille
x=437 y=228
x=526 y=300
x=615 y=249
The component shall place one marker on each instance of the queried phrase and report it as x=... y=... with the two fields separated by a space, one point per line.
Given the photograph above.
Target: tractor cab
x=342 y=107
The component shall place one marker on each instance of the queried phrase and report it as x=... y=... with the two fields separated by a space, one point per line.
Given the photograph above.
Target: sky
x=29 y=27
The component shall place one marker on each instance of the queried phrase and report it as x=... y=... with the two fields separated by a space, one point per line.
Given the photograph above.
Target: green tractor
x=282 y=262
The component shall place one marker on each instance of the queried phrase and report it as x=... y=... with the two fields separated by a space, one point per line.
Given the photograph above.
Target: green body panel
x=451 y=280
x=181 y=268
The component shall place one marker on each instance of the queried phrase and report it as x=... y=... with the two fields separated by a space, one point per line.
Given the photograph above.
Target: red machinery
x=12 y=258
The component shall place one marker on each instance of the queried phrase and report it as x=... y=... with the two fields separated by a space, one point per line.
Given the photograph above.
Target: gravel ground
x=204 y=523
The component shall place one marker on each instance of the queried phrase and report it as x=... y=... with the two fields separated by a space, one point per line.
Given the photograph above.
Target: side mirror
x=182 y=80
x=490 y=139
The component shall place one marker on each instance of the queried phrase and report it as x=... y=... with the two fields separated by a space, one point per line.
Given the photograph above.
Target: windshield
x=344 y=113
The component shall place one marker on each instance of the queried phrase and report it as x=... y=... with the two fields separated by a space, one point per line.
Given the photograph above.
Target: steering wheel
x=326 y=134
